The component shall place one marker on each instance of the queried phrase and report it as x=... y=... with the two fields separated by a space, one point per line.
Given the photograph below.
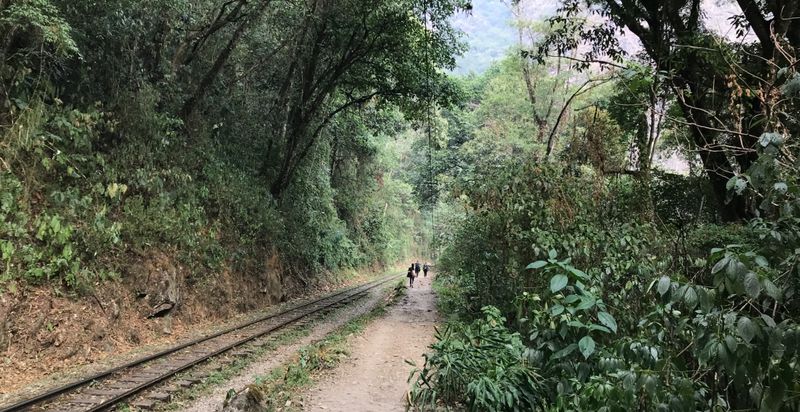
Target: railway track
x=104 y=390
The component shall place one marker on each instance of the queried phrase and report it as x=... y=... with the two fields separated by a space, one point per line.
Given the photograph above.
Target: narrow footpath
x=374 y=377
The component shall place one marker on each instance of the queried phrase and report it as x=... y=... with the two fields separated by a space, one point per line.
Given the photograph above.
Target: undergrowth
x=605 y=310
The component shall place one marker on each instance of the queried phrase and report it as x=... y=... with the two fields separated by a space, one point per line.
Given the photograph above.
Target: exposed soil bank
x=47 y=338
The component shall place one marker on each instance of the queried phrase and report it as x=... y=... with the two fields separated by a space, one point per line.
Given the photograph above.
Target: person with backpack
x=425 y=268
x=416 y=268
x=410 y=276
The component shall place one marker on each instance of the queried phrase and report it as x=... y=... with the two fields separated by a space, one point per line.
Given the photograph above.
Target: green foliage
x=640 y=367
x=35 y=38
x=682 y=200
x=53 y=206
x=482 y=364
x=640 y=328
x=597 y=140
x=222 y=134
x=40 y=20
x=504 y=110
x=626 y=291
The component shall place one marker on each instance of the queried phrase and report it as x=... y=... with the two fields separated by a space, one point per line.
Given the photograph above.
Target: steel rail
x=41 y=398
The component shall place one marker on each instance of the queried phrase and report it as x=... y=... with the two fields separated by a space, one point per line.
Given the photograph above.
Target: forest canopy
x=224 y=131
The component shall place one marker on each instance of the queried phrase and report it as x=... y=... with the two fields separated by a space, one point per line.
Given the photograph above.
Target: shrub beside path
x=374 y=377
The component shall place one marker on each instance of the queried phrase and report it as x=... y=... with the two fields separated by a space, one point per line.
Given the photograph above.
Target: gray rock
x=248 y=399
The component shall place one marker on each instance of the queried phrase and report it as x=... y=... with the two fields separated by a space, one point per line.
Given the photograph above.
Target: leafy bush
x=523 y=211
x=482 y=364
x=635 y=315
x=54 y=203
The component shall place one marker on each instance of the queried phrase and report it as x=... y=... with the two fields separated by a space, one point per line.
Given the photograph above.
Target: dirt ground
x=214 y=399
x=50 y=335
x=374 y=377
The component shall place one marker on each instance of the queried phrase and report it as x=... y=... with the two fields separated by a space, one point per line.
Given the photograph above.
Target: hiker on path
x=410 y=276
x=416 y=268
x=425 y=268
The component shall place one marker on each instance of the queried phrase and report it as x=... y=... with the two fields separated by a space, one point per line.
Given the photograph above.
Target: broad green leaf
x=690 y=297
x=586 y=345
x=565 y=351
x=586 y=302
x=746 y=329
x=663 y=285
x=608 y=320
x=576 y=324
x=774 y=397
x=577 y=272
x=771 y=289
x=537 y=265
x=768 y=320
x=727 y=358
x=731 y=343
x=601 y=328
x=557 y=310
x=558 y=282
x=650 y=383
x=707 y=351
x=552 y=254
x=721 y=264
x=751 y=285
x=736 y=268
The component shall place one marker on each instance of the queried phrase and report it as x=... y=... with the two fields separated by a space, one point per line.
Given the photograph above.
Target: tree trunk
x=219 y=62
x=715 y=163
x=551 y=140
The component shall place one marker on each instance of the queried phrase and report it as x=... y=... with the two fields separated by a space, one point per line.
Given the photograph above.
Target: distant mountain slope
x=489 y=33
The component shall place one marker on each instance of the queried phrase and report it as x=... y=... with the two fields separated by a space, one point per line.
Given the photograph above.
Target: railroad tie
x=103 y=392
x=159 y=396
x=145 y=404
x=137 y=379
x=85 y=400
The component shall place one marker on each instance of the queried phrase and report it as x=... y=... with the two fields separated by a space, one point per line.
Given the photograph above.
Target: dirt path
x=374 y=377
x=215 y=397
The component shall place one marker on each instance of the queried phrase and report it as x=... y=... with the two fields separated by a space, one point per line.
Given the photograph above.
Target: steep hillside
x=167 y=160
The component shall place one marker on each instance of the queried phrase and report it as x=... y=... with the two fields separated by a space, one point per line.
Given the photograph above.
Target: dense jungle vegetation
x=577 y=271
x=219 y=132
